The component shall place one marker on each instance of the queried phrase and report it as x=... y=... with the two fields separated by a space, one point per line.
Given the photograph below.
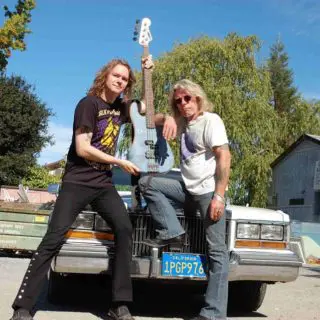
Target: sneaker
x=199 y=317
x=158 y=243
x=120 y=313
x=21 y=314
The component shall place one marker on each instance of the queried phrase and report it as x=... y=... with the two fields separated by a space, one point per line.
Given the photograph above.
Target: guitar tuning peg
x=134 y=38
x=136 y=33
x=137 y=21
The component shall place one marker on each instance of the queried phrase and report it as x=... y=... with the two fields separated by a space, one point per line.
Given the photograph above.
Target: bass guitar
x=149 y=151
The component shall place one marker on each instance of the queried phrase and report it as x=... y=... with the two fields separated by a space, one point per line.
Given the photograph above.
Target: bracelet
x=220 y=198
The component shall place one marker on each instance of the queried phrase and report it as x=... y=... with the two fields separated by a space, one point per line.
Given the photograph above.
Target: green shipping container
x=22 y=228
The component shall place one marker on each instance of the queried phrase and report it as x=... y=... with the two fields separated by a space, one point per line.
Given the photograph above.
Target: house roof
x=53 y=165
x=304 y=137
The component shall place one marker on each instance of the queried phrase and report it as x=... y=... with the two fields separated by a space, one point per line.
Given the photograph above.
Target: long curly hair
x=194 y=90
x=99 y=83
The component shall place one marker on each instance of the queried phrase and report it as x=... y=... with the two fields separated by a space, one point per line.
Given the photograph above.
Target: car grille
x=143 y=228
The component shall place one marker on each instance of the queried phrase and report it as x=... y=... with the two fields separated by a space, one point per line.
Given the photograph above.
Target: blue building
x=295 y=186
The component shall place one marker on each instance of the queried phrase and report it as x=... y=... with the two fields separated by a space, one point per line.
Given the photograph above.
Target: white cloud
x=62 y=137
x=311 y=95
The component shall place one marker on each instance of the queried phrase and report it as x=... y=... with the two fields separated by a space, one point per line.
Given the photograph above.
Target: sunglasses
x=185 y=98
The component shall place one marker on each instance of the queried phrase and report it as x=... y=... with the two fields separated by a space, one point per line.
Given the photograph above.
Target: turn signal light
x=89 y=235
x=260 y=244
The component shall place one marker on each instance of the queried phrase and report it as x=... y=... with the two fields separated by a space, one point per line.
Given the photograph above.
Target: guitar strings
x=151 y=132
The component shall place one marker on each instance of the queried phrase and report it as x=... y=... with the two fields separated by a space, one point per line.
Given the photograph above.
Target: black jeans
x=71 y=200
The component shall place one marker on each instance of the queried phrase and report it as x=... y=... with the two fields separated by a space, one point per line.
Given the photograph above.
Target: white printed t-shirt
x=197 y=159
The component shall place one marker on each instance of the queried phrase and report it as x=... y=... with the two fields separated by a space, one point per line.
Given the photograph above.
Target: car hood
x=252 y=214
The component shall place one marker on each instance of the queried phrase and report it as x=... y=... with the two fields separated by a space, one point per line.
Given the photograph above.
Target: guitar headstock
x=142 y=32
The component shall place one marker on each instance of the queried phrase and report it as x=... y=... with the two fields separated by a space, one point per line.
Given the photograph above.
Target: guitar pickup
x=148 y=142
x=150 y=155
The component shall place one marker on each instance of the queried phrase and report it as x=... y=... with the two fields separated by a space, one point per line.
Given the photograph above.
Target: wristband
x=220 y=198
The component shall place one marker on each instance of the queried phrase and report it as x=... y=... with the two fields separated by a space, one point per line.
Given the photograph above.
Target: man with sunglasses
x=205 y=166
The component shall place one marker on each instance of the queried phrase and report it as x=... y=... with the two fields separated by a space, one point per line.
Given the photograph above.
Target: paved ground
x=298 y=300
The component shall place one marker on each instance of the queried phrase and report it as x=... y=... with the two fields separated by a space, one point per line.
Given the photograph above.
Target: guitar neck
x=148 y=92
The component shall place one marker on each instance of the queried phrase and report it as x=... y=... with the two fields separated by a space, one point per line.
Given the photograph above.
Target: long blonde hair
x=99 y=83
x=195 y=90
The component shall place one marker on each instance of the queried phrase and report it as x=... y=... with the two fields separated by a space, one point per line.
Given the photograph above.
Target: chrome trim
x=193 y=225
x=283 y=266
x=154 y=270
x=283 y=258
x=255 y=266
x=262 y=273
x=268 y=222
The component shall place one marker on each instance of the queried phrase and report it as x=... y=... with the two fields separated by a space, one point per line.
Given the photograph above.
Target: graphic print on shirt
x=106 y=135
x=187 y=148
x=109 y=139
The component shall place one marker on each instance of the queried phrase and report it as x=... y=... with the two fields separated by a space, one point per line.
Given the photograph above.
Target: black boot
x=158 y=243
x=21 y=314
x=199 y=317
x=120 y=313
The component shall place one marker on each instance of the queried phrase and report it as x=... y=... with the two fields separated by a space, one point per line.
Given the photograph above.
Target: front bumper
x=265 y=266
x=244 y=265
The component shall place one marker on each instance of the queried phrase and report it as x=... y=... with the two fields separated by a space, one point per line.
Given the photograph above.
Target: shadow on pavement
x=81 y=293
x=246 y=315
x=311 y=276
x=315 y=272
x=92 y=294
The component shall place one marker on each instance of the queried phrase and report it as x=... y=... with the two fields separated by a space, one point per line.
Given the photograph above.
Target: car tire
x=246 y=296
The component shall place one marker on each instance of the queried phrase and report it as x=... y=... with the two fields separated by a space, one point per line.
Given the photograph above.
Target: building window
x=296 y=201
x=275 y=200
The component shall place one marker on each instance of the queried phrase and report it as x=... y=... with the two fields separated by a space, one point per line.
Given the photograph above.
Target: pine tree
x=284 y=92
x=296 y=116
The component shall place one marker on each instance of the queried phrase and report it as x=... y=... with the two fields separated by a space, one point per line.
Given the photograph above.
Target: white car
x=258 y=241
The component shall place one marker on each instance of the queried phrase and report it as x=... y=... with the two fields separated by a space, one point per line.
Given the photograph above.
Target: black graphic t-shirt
x=104 y=120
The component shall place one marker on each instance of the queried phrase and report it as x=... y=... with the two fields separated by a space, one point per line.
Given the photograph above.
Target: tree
x=296 y=115
x=14 y=30
x=39 y=177
x=303 y=118
x=284 y=94
x=241 y=93
x=23 y=128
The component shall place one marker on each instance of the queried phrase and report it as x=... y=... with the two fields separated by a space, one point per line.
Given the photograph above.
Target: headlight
x=271 y=232
x=84 y=221
x=100 y=224
x=248 y=231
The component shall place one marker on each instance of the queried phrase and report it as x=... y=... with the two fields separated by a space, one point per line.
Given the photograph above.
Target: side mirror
x=54 y=188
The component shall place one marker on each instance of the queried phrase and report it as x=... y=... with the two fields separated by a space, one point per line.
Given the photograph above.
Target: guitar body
x=149 y=151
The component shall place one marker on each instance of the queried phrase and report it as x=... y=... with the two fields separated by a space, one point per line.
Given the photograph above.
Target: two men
x=88 y=180
x=205 y=166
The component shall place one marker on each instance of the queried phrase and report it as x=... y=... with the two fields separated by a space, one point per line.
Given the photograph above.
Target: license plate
x=183 y=265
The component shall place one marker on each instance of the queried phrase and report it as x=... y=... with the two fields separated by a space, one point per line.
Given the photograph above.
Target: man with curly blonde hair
x=88 y=180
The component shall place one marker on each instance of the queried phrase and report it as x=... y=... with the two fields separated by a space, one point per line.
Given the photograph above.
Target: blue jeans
x=160 y=193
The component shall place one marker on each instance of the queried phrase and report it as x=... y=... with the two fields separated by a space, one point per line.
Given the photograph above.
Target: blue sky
x=72 y=39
